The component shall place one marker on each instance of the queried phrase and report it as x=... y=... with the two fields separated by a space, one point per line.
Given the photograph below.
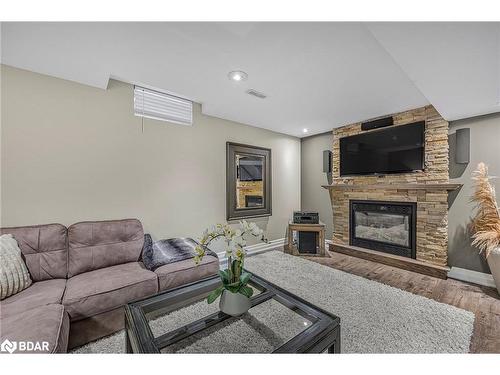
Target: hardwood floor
x=482 y=301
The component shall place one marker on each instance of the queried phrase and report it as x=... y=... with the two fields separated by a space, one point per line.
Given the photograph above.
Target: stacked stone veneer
x=432 y=205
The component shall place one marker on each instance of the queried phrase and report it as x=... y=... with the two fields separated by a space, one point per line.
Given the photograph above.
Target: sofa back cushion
x=99 y=244
x=45 y=249
x=14 y=275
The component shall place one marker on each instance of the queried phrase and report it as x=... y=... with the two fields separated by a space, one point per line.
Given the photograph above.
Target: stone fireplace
x=424 y=193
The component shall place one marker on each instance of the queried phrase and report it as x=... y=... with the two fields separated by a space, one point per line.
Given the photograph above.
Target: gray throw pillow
x=14 y=275
x=159 y=253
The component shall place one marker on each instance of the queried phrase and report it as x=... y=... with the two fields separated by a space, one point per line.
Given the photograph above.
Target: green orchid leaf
x=245 y=277
x=233 y=288
x=215 y=294
x=224 y=276
x=246 y=291
x=232 y=285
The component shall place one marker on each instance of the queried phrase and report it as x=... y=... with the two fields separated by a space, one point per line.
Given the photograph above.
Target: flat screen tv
x=398 y=149
x=250 y=168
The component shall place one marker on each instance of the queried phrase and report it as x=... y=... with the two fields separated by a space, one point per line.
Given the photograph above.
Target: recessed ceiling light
x=237 y=75
x=305 y=130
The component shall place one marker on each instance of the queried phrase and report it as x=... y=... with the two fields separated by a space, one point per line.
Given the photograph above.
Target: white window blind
x=160 y=106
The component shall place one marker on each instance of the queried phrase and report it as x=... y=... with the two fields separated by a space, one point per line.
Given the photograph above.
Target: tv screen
x=397 y=149
x=250 y=168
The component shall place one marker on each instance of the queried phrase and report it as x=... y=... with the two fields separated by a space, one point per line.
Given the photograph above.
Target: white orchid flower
x=255 y=230
x=240 y=241
x=237 y=242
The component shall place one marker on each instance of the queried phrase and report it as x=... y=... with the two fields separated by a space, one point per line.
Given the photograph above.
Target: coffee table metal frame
x=322 y=335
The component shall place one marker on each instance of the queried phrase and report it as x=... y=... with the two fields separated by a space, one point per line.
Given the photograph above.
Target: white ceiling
x=316 y=75
x=455 y=65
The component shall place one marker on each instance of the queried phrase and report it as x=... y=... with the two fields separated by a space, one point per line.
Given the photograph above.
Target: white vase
x=494 y=263
x=234 y=304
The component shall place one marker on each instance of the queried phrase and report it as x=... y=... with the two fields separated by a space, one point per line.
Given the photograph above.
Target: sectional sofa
x=82 y=276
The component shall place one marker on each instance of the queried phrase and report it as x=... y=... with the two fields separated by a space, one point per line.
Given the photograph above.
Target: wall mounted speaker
x=462 y=151
x=375 y=124
x=327 y=161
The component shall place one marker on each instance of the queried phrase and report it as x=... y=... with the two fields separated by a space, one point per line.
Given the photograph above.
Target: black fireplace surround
x=388 y=227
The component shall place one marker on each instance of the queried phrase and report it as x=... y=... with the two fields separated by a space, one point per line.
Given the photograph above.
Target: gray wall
x=485 y=146
x=313 y=196
x=72 y=152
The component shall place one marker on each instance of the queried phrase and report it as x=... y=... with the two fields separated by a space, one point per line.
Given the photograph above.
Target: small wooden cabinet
x=290 y=246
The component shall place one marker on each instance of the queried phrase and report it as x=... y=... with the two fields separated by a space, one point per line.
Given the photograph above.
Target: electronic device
x=398 y=149
x=305 y=217
x=250 y=168
x=462 y=151
x=307 y=242
x=379 y=123
x=327 y=161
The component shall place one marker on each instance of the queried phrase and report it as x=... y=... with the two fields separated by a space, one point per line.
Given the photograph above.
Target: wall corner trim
x=473 y=277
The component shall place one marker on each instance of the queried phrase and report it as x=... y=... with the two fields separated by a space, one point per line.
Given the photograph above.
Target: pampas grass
x=486 y=223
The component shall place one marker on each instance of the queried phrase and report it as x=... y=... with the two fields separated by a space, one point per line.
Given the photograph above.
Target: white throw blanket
x=14 y=275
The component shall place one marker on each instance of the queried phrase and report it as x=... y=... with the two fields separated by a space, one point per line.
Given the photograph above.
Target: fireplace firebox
x=389 y=227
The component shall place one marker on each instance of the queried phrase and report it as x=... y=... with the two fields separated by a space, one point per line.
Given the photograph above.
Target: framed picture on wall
x=248 y=181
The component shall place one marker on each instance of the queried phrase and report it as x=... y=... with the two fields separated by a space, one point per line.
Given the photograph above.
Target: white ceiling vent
x=256 y=93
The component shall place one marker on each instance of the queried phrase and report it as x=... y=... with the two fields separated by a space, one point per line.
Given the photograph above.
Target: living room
x=249 y=187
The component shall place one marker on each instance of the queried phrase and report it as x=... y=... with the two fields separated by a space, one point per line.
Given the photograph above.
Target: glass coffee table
x=180 y=321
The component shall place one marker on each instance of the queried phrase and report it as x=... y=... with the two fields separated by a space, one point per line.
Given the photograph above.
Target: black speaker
x=327 y=161
x=462 y=151
x=307 y=242
x=379 y=123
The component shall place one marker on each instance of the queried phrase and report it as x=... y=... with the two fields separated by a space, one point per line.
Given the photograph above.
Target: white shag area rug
x=375 y=318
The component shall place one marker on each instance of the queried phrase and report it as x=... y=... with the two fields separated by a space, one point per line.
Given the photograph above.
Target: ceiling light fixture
x=305 y=130
x=237 y=75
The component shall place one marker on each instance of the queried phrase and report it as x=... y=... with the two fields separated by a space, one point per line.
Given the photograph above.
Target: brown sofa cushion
x=96 y=327
x=99 y=244
x=48 y=323
x=45 y=248
x=105 y=289
x=39 y=294
x=186 y=271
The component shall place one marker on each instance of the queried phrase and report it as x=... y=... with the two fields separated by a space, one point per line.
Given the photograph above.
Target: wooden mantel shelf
x=397 y=186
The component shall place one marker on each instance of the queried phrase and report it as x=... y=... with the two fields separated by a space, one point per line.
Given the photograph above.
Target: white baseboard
x=255 y=249
x=470 y=276
x=265 y=246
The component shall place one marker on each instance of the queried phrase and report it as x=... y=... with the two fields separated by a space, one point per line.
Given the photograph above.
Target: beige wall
x=313 y=196
x=485 y=147
x=72 y=152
